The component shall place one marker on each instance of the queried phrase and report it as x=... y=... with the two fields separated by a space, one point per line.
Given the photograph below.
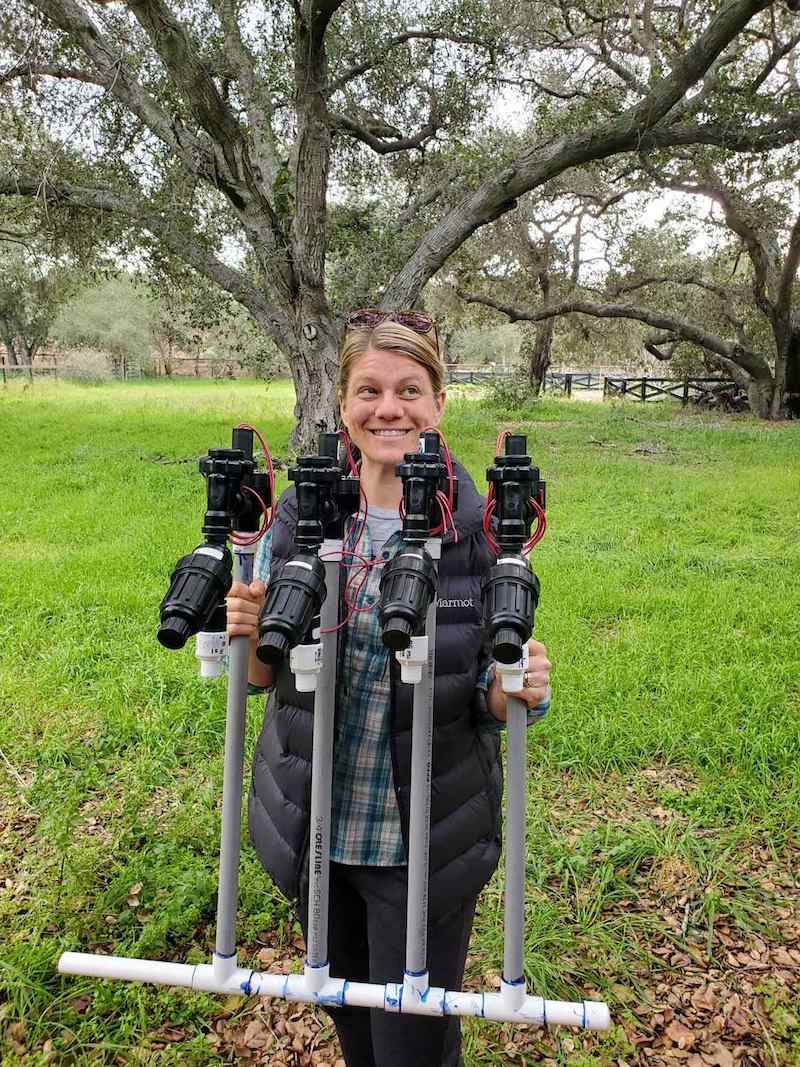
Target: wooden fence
x=685 y=390
x=714 y=390
x=456 y=374
x=572 y=380
x=10 y=369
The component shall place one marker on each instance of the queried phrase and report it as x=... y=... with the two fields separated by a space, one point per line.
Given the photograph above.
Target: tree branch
x=27 y=73
x=762 y=138
x=379 y=144
x=225 y=165
x=257 y=102
x=403 y=38
x=180 y=55
x=161 y=226
x=641 y=283
x=571 y=94
x=747 y=358
x=312 y=153
x=777 y=54
x=112 y=74
x=783 y=299
x=761 y=248
x=544 y=161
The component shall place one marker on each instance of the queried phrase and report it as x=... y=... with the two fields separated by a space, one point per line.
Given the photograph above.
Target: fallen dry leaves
x=710 y=995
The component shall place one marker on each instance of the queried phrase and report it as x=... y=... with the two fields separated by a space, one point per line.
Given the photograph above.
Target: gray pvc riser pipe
x=233 y=774
x=419 y=828
x=321 y=776
x=516 y=790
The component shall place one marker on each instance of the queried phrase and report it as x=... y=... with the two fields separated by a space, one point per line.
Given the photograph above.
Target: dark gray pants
x=367 y=943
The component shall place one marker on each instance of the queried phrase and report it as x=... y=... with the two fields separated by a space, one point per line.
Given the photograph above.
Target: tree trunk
x=540 y=356
x=760 y=393
x=31 y=349
x=535 y=352
x=791 y=392
x=7 y=335
x=169 y=365
x=312 y=352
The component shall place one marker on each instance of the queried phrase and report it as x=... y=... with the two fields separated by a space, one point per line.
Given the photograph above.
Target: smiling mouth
x=390 y=433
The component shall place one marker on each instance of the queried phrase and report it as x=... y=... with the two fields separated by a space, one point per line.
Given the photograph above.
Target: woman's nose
x=389 y=405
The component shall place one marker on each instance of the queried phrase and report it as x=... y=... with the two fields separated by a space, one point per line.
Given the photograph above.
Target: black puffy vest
x=466 y=772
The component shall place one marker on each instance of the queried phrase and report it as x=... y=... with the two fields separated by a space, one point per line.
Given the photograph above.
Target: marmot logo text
x=456 y=603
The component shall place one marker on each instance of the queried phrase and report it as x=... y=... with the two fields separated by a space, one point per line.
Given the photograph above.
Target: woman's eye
x=410 y=391
x=367 y=390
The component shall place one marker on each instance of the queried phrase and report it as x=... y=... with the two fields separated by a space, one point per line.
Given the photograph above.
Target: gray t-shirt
x=382 y=522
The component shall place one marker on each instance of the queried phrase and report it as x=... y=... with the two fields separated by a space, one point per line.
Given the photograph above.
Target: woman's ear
x=342 y=416
x=439 y=402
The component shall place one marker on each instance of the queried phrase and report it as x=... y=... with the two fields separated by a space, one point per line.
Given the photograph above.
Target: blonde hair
x=390 y=336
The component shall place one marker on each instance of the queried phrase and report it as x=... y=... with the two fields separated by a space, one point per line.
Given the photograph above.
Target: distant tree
x=735 y=306
x=34 y=285
x=218 y=129
x=732 y=308
x=556 y=241
x=116 y=316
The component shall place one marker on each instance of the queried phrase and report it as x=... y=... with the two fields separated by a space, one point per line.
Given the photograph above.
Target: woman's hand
x=244 y=607
x=536 y=682
x=244 y=604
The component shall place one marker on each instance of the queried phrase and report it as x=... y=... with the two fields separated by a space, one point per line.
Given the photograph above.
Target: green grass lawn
x=664 y=788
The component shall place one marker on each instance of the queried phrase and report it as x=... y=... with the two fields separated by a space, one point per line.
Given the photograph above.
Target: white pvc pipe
x=233 y=773
x=319 y=852
x=338 y=992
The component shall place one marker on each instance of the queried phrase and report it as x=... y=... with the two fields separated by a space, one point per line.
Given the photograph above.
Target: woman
x=390 y=389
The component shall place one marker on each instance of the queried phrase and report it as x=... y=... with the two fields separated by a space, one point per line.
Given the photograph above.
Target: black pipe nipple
x=397 y=634
x=507 y=646
x=174 y=633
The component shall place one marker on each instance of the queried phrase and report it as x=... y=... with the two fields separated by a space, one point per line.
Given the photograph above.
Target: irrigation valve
x=294 y=600
x=324 y=500
x=409 y=581
x=511 y=593
x=197 y=587
x=201 y=580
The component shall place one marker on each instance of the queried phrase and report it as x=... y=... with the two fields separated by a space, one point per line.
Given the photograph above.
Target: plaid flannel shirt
x=365 y=827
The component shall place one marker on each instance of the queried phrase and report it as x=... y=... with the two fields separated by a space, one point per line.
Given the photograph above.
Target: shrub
x=511 y=393
x=87 y=365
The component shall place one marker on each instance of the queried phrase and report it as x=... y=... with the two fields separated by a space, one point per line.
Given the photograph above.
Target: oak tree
x=231 y=135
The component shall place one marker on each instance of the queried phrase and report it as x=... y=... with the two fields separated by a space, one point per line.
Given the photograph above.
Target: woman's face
x=389 y=401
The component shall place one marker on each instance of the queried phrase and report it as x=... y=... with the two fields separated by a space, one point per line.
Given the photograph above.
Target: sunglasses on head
x=369 y=318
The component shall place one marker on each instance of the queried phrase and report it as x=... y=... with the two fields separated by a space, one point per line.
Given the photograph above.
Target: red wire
x=488 y=511
x=447 y=515
x=244 y=541
x=345 y=436
x=268 y=513
x=448 y=460
x=538 y=533
x=541 y=525
x=500 y=441
x=361 y=569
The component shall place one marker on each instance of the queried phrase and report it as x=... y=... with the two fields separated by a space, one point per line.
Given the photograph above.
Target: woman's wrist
x=259 y=674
